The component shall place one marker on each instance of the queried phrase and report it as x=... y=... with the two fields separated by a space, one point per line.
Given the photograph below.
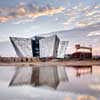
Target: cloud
x=94 y=33
x=82 y=15
x=70 y=20
x=5 y=18
x=50 y=11
x=93 y=13
x=97 y=6
x=96 y=50
x=27 y=11
x=23 y=21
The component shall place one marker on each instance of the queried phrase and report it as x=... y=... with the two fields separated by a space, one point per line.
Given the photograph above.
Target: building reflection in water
x=82 y=70
x=39 y=76
x=49 y=76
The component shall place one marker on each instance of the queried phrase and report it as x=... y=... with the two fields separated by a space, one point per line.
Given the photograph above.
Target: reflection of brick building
x=82 y=70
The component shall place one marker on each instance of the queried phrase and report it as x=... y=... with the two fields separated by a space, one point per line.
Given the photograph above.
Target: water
x=51 y=83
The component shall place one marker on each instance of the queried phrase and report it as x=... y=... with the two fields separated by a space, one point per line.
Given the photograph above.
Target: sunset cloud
x=50 y=11
x=3 y=19
x=32 y=11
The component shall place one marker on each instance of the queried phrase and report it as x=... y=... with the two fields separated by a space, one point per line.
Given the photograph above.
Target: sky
x=26 y=18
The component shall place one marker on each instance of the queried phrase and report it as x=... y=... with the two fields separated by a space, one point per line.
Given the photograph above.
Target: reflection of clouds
x=81 y=84
x=30 y=93
x=6 y=74
x=95 y=86
x=67 y=98
x=84 y=97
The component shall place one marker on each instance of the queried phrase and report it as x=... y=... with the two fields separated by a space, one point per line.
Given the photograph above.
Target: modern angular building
x=26 y=47
x=43 y=47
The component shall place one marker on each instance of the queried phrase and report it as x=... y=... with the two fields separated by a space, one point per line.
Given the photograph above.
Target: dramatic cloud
x=27 y=11
x=82 y=15
x=50 y=11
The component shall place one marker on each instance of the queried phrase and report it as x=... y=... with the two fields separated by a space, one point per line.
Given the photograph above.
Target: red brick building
x=82 y=55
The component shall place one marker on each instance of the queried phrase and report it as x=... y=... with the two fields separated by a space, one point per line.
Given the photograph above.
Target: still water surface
x=79 y=84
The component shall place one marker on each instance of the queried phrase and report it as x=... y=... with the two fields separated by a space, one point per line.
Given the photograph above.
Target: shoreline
x=64 y=63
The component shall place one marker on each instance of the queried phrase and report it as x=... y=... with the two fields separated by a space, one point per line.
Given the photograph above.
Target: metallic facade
x=40 y=47
x=49 y=46
x=22 y=46
x=62 y=49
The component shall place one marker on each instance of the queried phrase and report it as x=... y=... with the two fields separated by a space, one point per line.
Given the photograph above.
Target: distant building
x=82 y=54
x=62 y=49
x=49 y=46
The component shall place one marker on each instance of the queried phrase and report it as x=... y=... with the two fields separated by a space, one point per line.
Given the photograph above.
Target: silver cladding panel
x=22 y=46
x=48 y=46
x=62 y=49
